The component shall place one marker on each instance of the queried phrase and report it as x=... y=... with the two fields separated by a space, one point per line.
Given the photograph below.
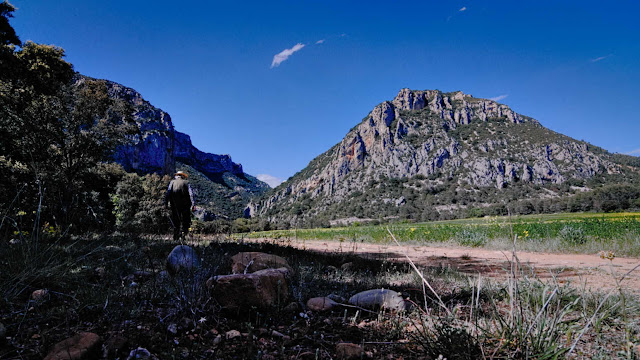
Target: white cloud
x=271 y=180
x=499 y=97
x=320 y=41
x=600 y=58
x=463 y=8
x=633 y=152
x=284 y=54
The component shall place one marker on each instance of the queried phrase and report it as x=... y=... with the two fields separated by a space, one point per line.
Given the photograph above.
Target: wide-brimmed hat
x=182 y=173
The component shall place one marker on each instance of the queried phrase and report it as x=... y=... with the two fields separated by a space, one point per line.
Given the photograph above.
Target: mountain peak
x=458 y=151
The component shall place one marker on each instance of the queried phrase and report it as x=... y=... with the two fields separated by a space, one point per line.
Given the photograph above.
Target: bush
x=572 y=235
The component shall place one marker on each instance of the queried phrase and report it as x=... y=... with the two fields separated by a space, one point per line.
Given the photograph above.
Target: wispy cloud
x=270 y=180
x=284 y=55
x=499 y=97
x=600 y=58
x=633 y=152
x=463 y=8
x=320 y=41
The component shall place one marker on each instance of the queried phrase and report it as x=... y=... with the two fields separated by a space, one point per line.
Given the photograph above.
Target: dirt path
x=578 y=269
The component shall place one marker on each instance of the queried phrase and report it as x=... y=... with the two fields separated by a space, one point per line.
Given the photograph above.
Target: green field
x=567 y=232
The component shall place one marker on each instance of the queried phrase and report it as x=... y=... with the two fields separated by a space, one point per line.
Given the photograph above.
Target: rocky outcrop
x=204 y=162
x=156 y=145
x=452 y=138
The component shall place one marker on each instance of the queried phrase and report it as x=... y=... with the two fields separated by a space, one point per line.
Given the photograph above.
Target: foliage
x=55 y=133
x=139 y=203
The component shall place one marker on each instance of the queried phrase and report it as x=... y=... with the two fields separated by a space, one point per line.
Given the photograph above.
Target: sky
x=276 y=83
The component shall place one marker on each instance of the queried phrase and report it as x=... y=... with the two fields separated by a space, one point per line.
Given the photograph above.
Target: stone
x=217 y=340
x=232 y=334
x=182 y=259
x=321 y=304
x=379 y=299
x=84 y=345
x=262 y=289
x=250 y=262
x=349 y=351
x=140 y=353
x=3 y=332
x=40 y=295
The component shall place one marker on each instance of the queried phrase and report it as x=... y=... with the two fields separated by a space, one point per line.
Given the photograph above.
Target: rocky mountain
x=156 y=147
x=428 y=155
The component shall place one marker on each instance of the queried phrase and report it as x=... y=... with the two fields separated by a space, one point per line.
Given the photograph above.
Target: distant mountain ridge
x=156 y=147
x=427 y=154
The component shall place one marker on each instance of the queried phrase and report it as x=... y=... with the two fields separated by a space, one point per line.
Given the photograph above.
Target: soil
x=581 y=270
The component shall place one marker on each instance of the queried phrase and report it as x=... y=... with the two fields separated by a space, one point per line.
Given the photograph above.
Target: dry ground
x=590 y=271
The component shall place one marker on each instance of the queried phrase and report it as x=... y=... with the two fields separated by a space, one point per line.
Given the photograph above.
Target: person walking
x=180 y=197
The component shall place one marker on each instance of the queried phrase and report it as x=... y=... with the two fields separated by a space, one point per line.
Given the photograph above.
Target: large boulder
x=262 y=289
x=182 y=258
x=379 y=299
x=84 y=345
x=250 y=262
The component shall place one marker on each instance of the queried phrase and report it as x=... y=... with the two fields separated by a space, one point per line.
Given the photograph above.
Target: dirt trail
x=578 y=269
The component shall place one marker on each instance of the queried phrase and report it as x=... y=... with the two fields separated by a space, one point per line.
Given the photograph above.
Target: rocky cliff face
x=152 y=148
x=444 y=142
x=206 y=163
x=221 y=186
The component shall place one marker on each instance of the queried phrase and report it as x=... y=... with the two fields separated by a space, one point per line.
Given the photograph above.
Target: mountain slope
x=222 y=188
x=429 y=154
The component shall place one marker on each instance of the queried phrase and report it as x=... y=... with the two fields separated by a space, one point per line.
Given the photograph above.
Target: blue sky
x=275 y=84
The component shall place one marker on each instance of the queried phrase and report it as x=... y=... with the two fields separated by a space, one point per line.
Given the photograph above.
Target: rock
x=250 y=262
x=348 y=351
x=321 y=304
x=140 y=353
x=379 y=299
x=217 y=340
x=173 y=328
x=3 y=332
x=182 y=259
x=84 y=345
x=262 y=289
x=40 y=295
x=232 y=334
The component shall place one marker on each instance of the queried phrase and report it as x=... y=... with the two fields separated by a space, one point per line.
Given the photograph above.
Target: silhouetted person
x=180 y=197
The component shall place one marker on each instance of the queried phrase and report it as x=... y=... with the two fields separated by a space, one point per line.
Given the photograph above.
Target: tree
x=56 y=128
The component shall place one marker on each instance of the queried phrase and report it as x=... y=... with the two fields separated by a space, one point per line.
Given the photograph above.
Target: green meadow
x=566 y=232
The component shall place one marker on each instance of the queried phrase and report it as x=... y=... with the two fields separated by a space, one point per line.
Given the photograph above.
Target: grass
x=571 y=232
x=93 y=286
